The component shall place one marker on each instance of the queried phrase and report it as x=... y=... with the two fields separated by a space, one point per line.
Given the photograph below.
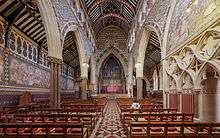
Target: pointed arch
x=147 y=33
x=117 y=55
x=83 y=60
x=111 y=76
x=51 y=28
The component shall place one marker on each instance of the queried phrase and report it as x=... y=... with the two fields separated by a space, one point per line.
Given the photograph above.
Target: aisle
x=110 y=125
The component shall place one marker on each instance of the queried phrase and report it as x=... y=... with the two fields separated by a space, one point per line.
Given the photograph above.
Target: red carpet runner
x=110 y=125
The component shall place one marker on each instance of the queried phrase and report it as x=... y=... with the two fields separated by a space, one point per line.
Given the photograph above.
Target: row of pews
x=156 y=122
x=76 y=118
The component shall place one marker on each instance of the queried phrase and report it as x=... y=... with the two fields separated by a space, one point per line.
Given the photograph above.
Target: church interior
x=109 y=68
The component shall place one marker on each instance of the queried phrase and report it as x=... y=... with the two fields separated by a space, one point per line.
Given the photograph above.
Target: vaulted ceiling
x=111 y=12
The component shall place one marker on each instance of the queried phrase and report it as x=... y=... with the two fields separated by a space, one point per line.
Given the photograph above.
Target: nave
x=103 y=118
x=110 y=68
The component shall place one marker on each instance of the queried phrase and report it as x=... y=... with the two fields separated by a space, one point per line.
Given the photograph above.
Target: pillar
x=180 y=96
x=130 y=77
x=93 y=82
x=139 y=80
x=55 y=65
x=84 y=80
x=209 y=100
x=165 y=86
x=139 y=88
x=83 y=88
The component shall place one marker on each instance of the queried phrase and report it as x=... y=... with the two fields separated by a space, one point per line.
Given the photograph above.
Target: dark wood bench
x=129 y=110
x=174 y=129
x=127 y=118
x=68 y=130
x=88 y=120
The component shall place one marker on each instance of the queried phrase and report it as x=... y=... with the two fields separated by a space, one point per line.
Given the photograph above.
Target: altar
x=112 y=78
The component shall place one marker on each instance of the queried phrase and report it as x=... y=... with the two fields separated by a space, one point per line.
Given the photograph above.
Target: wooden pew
x=88 y=120
x=174 y=129
x=145 y=103
x=128 y=118
x=67 y=130
x=129 y=110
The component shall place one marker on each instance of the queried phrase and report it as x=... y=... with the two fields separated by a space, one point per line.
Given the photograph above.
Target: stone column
x=84 y=80
x=93 y=82
x=209 y=101
x=83 y=88
x=139 y=88
x=130 y=77
x=55 y=65
x=139 y=80
x=180 y=101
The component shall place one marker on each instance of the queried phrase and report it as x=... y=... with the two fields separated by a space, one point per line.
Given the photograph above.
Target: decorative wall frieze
x=188 y=65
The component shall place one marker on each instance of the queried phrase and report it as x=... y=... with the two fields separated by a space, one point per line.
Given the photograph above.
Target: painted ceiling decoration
x=111 y=12
x=25 y=16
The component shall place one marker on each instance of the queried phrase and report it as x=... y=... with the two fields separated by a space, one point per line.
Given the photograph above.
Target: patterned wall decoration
x=63 y=13
x=1 y=65
x=23 y=73
x=7 y=100
x=112 y=37
x=189 y=17
x=158 y=13
x=67 y=17
x=1 y=33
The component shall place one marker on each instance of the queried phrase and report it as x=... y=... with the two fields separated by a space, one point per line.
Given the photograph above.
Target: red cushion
x=136 y=130
x=172 y=129
x=11 y=130
x=56 y=130
x=156 y=129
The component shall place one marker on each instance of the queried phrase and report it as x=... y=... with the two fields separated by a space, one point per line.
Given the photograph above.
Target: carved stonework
x=54 y=60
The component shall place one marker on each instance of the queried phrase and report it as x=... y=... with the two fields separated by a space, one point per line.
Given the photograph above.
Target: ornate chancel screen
x=112 y=79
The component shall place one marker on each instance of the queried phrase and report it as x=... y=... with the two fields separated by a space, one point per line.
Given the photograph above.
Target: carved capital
x=55 y=60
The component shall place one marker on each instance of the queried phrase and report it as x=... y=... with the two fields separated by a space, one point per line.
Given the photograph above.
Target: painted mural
x=1 y=34
x=158 y=13
x=111 y=37
x=189 y=17
x=22 y=73
x=1 y=65
x=63 y=13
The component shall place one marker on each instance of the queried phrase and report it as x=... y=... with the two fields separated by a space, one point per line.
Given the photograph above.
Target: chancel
x=110 y=68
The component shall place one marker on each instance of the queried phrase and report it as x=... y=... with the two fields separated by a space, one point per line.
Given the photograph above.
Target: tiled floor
x=110 y=125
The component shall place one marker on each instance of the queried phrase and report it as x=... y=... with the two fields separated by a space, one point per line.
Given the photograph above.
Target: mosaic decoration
x=22 y=73
x=63 y=13
x=158 y=13
x=66 y=17
x=189 y=17
x=1 y=34
x=112 y=37
x=1 y=65
x=110 y=126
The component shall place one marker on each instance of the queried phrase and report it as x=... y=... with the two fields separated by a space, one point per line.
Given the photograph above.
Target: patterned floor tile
x=110 y=125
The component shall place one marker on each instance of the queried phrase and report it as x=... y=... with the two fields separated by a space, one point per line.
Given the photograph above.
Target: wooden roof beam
x=99 y=2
